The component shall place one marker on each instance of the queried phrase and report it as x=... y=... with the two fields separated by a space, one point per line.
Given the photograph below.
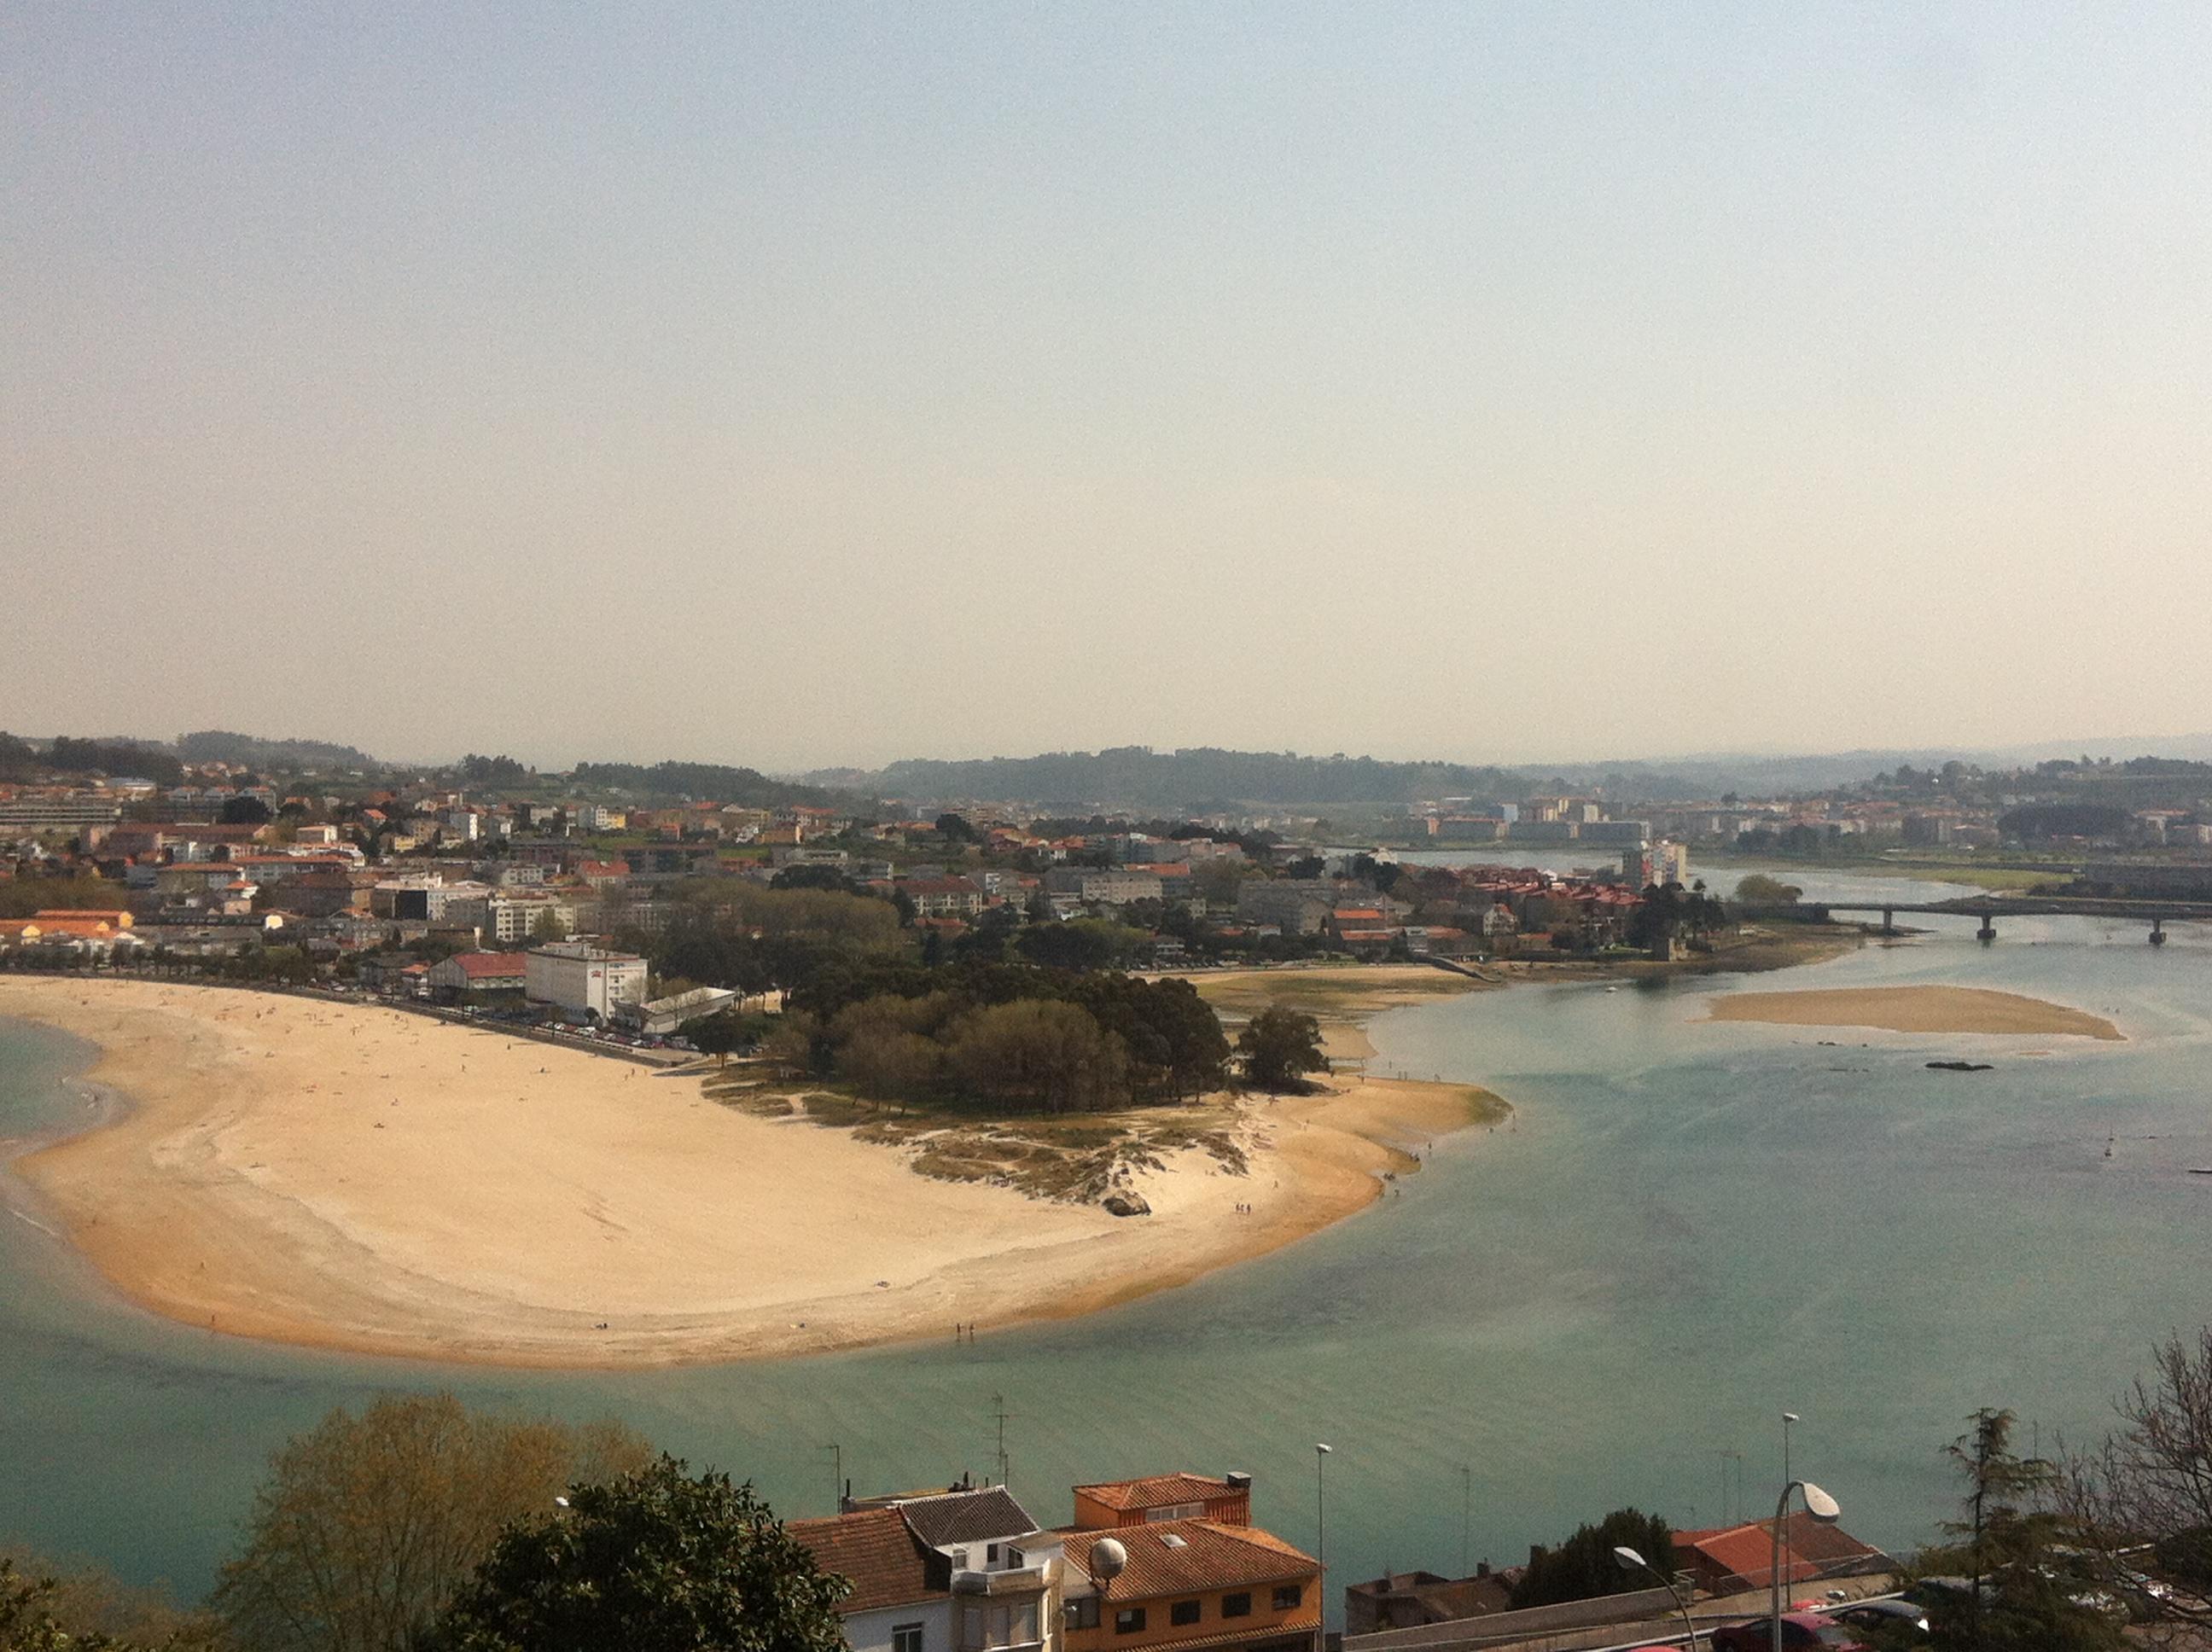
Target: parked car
x=1800 y=1630
x=1883 y=1614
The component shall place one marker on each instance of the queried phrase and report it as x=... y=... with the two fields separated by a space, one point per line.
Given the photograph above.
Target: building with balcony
x=966 y=1570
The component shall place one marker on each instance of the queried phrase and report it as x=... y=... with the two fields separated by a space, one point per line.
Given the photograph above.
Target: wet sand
x=1913 y=1009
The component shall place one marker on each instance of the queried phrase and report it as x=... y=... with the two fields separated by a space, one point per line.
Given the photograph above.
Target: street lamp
x=1822 y=1508
x=1788 y=1417
x=1321 y=1540
x=1628 y=1560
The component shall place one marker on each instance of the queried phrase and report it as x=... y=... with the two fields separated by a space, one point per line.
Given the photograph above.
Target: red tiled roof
x=1809 y=1549
x=886 y=1563
x=1155 y=1492
x=479 y=966
x=1210 y=1557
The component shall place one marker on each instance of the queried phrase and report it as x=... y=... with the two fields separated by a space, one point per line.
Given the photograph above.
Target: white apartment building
x=583 y=979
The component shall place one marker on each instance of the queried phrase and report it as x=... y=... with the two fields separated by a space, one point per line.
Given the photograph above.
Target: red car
x=1800 y=1630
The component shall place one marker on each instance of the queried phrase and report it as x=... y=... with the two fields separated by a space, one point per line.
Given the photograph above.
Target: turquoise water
x=1688 y=1229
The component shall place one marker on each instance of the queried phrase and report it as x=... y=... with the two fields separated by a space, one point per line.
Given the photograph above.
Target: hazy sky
x=811 y=384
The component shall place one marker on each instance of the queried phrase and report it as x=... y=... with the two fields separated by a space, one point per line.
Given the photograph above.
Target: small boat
x=2201 y=1169
x=1960 y=1066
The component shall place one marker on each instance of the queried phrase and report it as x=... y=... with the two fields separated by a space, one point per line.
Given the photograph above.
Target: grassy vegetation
x=1078 y=1159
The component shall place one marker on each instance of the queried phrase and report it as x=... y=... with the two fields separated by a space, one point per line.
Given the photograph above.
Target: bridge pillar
x=1888 y=921
x=2157 y=932
x=1987 y=932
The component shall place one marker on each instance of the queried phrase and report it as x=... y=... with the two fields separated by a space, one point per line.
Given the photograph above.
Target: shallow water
x=1688 y=1228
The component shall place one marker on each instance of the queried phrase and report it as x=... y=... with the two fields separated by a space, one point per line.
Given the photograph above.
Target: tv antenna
x=1000 y=1415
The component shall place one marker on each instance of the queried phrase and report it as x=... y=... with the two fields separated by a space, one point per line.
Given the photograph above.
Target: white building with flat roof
x=583 y=979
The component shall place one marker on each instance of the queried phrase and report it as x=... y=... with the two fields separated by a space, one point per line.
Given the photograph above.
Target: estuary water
x=1686 y=1228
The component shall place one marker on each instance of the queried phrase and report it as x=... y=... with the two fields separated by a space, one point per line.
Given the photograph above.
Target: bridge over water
x=1990 y=907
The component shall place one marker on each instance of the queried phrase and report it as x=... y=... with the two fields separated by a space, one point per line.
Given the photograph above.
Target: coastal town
x=433 y=886
x=1001 y=1029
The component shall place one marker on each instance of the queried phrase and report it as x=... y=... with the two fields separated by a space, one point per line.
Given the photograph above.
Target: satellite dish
x=1108 y=1557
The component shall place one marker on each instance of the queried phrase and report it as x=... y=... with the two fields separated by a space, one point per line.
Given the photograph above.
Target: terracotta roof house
x=1730 y=1559
x=1188 y=1585
x=886 y=1563
x=1227 y=1500
x=965 y=1570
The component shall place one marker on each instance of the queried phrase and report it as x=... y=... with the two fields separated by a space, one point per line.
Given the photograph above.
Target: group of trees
x=1669 y=910
x=1584 y=1566
x=1005 y=1036
x=20 y=760
x=422 y=1527
x=735 y=934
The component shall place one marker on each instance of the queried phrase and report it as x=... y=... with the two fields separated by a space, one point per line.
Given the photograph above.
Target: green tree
x=657 y=1561
x=243 y=812
x=718 y=1034
x=1038 y=1054
x=1584 y=1566
x=1279 y=1047
x=2024 y=1594
x=1757 y=888
x=367 y=1525
x=1078 y=943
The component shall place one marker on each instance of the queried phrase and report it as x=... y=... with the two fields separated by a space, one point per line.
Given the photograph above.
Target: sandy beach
x=355 y=1177
x=1913 y=1009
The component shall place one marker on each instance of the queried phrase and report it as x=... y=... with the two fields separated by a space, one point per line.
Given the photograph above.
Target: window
x=906 y=1638
x=1174 y=1511
x=1287 y=1597
x=1129 y=1620
x=1184 y=1612
x=985 y=1626
x=1236 y=1605
x=1082 y=1614
x=1013 y=1557
x=990 y=1554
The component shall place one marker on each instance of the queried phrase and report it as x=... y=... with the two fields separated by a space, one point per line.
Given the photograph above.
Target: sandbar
x=358 y=1178
x=1913 y=1009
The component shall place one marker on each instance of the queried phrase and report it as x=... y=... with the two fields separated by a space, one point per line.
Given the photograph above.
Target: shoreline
x=313 y=1174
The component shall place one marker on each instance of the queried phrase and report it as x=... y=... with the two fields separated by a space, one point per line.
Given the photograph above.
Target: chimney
x=1238 y=1480
x=1482 y=1568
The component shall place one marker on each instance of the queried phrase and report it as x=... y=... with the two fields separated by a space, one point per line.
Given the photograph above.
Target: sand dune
x=357 y=1177
x=1912 y=1009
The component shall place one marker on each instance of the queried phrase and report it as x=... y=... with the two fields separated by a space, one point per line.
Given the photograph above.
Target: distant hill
x=1194 y=778
x=1204 y=779
x=212 y=745
x=674 y=781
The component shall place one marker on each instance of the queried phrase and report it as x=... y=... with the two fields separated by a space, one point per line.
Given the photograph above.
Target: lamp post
x=1822 y=1508
x=1788 y=1417
x=1629 y=1560
x=1321 y=1540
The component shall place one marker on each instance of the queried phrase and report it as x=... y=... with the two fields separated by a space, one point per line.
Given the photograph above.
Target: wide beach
x=355 y=1177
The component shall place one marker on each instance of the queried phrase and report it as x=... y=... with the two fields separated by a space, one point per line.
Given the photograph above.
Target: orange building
x=87 y=925
x=1174 y=1563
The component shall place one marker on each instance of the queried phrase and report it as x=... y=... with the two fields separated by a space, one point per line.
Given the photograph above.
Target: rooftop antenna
x=837 y=1472
x=1466 y=1515
x=999 y=1413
